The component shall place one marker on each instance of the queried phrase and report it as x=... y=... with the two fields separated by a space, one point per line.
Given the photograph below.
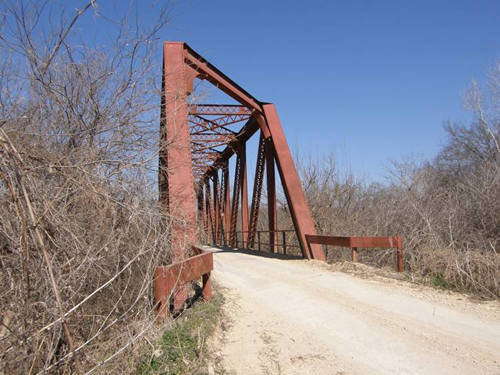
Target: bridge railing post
x=207 y=287
x=354 y=254
x=361 y=242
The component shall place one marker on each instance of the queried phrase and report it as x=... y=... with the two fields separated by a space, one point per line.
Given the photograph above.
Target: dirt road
x=296 y=317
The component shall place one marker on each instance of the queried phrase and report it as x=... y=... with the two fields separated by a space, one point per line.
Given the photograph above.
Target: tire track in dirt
x=292 y=317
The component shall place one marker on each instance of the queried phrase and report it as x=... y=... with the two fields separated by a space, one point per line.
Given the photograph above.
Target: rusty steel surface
x=235 y=202
x=215 y=185
x=167 y=279
x=219 y=109
x=227 y=202
x=272 y=217
x=243 y=191
x=196 y=144
x=201 y=138
x=213 y=75
x=257 y=190
x=212 y=128
x=271 y=233
x=299 y=210
x=175 y=163
x=354 y=243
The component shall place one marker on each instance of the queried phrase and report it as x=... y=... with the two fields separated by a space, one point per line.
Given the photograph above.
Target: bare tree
x=446 y=209
x=80 y=232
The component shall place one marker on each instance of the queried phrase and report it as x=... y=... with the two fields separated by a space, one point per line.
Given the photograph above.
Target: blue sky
x=370 y=81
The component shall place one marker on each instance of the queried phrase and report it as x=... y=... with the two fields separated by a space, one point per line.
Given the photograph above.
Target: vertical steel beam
x=176 y=183
x=216 y=206
x=227 y=201
x=201 y=210
x=163 y=198
x=206 y=221
x=206 y=287
x=355 y=254
x=235 y=204
x=271 y=196
x=209 y=209
x=260 y=165
x=244 y=193
x=222 y=202
x=299 y=210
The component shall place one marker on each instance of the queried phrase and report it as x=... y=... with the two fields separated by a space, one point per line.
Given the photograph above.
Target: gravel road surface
x=299 y=317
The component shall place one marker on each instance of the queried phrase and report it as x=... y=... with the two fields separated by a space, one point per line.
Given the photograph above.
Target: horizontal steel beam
x=167 y=278
x=354 y=243
x=218 y=109
x=365 y=242
x=210 y=73
x=248 y=130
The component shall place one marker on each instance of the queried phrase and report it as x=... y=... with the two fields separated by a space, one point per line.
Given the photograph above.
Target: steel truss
x=196 y=144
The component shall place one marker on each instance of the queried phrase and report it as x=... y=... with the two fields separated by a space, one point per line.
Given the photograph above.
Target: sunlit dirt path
x=296 y=317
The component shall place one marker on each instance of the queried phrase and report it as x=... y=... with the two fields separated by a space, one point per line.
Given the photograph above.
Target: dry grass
x=80 y=228
x=446 y=209
x=77 y=259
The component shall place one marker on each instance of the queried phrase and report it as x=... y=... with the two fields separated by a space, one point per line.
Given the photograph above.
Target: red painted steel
x=284 y=244
x=196 y=141
x=175 y=169
x=210 y=215
x=257 y=190
x=213 y=126
x=329 y=240
x=168 y=279
x=363 y=242
x=222 y=193
x=244 y=192
x=210 y=73
x=246 y=132
x=200 y=200
x=271 y=196
x=299 y=210
x=199 y=139
x=206 y=217
x=355 y=254
x=219 y=109
x=215 y=184
x=227 y=202
x=234 y=207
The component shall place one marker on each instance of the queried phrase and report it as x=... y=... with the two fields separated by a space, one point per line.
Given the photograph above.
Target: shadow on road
x=259 y=253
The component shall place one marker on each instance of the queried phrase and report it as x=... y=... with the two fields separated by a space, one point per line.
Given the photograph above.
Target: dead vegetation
x=447 y=209
x=80 y=231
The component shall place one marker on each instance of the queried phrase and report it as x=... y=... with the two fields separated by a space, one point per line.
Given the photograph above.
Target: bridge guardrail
x=354 y=243
x=280 y=241
x=168 y=278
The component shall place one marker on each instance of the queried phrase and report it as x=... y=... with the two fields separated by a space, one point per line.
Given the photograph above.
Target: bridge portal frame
x=177 y=191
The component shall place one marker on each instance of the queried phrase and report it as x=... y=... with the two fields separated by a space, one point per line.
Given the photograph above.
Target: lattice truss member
x=213 y=126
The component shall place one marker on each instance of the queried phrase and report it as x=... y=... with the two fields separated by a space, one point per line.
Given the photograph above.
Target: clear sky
x=370 y=81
